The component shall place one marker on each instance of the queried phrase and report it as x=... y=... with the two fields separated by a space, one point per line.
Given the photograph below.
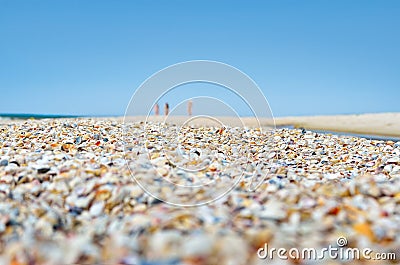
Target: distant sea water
x=24 y=116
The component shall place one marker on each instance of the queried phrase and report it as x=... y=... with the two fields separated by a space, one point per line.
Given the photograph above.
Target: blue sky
x=308 y=57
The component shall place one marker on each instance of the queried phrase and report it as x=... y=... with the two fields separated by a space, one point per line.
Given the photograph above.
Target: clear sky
x=308 y=57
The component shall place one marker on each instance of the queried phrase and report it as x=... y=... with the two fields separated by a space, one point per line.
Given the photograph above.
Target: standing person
x=156 y=109
x=189 y=109
x=166 y=109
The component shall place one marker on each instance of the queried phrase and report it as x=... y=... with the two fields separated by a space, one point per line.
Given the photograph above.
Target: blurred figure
x=166 y=109
x=156 y=109
x=189 y=107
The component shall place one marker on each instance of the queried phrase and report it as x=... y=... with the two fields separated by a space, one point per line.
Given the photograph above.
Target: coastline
x=379 y=125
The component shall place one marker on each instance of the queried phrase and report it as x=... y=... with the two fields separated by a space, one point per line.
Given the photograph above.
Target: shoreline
x=377 y=125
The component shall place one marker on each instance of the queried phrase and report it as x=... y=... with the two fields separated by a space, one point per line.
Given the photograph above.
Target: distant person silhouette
x=189 y=107
x=156 y=109
x=166 y=109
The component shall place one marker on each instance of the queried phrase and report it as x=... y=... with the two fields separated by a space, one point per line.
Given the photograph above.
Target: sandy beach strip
x=70 y=193
x=381 y=124
x=384 y=124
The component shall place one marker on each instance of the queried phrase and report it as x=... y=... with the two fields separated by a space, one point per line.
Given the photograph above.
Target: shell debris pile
x=67 y=194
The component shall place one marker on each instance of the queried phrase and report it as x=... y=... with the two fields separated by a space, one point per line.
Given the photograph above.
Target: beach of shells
x=97 y=191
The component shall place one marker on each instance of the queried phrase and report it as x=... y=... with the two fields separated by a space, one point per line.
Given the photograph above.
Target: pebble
x=272 y=210
x=43 y=170
x=3 y=162
x=97 y=208
x=393 y=160
x=198 y=246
